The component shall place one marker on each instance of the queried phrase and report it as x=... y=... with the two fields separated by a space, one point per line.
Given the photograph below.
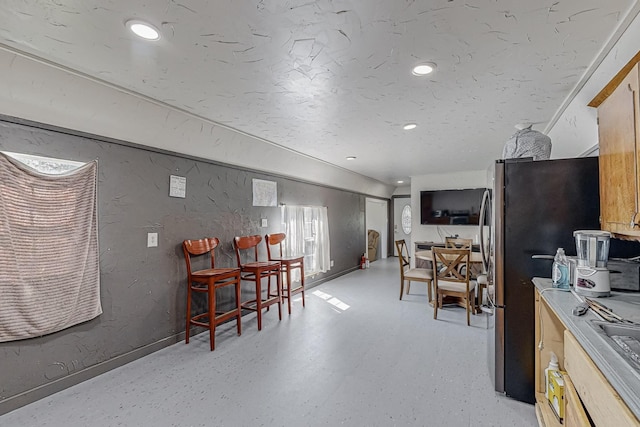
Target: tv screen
x=451 y=207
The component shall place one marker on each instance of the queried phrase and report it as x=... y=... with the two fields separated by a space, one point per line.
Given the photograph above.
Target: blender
x=592 y=275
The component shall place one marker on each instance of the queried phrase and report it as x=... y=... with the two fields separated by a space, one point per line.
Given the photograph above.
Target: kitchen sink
x=624 y=338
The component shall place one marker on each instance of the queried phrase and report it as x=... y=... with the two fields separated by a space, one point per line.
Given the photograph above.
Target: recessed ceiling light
x=351 y=157
x=409 y=126
x=423 y=69
x=400 y=182
x=142 y=29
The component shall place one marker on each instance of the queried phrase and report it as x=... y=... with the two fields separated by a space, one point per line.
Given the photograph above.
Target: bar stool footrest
x=252 y=304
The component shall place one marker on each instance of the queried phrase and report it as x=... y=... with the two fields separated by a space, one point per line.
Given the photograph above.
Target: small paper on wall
x=178 y=186
x=265 y=193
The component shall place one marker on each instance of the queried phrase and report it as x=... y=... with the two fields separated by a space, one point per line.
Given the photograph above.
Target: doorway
x=376 y=218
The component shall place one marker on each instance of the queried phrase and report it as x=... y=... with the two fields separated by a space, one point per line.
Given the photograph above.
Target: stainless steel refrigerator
x=536 y=207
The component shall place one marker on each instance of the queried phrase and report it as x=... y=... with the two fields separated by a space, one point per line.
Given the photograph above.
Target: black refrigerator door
x=545 y=202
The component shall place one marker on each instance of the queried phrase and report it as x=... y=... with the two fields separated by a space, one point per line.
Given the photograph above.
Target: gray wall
x=143 y=290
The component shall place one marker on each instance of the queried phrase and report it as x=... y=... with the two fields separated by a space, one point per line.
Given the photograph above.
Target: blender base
x=593 y=294
x=595 y=283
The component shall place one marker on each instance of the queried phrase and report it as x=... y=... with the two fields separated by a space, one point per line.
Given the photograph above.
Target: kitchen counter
x=624 y=379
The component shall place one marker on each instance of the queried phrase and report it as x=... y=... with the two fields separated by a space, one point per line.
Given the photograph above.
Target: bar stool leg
x=279 y=284
x=268 y=289
x=211 y=291
x=302 y=280
x=289 y=288
x=239 y=312
x=188 y=328
x=259 y=298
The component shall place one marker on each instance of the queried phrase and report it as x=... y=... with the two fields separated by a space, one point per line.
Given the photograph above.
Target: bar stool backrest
x=245 y=243
x=199 y=247
x=275 y=239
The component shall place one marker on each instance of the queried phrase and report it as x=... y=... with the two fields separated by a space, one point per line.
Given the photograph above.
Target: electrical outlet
x=152 y=240
x=331 y=263
x=264 y=222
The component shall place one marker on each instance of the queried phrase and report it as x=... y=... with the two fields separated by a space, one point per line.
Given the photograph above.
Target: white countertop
x=620 y=374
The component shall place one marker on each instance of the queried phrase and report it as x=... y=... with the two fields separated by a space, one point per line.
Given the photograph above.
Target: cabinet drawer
x=574 y=414
x=601 y=401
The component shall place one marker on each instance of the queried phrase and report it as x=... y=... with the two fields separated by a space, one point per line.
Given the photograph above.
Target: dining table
x=475 y=261
x=474 y=258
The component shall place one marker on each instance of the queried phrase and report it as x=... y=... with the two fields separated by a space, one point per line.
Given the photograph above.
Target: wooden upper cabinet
x=619 y=140
x=618 y=157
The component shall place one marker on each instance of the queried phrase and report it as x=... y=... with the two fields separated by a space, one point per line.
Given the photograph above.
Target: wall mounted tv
x=452 y=207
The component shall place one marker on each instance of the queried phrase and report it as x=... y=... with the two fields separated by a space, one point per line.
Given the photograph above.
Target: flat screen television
x=452 y=207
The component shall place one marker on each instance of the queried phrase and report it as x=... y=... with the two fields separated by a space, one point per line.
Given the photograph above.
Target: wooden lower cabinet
x=589 y=399
x=605 y=407
x=549 y=332
x=574 y=413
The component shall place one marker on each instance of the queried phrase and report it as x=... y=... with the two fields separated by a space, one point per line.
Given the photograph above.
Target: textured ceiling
x=332 y=79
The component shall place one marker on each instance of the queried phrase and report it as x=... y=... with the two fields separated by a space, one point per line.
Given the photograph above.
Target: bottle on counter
x=560 y=271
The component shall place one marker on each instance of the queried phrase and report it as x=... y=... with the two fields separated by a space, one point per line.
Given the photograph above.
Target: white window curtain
x=307 y=229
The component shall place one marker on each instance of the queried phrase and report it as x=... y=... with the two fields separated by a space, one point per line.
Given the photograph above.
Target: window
x=46 y=164
x=406 y=219
x=307 y=231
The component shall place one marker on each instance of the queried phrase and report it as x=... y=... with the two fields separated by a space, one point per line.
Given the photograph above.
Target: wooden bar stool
x=288 y=263
x=255 y=271
x=208 y=281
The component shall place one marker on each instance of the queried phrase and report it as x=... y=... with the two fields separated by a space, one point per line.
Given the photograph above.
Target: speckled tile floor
x=355 y=356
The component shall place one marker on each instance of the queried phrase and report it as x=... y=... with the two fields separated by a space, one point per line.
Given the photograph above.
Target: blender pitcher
x=592 y=275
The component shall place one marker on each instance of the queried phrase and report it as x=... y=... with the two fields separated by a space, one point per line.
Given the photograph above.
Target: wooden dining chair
x=274 y=253
x=208 y=281
x=409 y=274
x=457 y=243
x=460 y=243
x=246 y=247
x=451 y=278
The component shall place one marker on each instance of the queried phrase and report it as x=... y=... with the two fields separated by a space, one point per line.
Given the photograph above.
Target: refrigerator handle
x=486 y=199
x=551 y=257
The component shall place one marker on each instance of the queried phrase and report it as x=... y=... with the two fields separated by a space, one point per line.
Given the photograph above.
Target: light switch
x=152 y=240
x=264 y=222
